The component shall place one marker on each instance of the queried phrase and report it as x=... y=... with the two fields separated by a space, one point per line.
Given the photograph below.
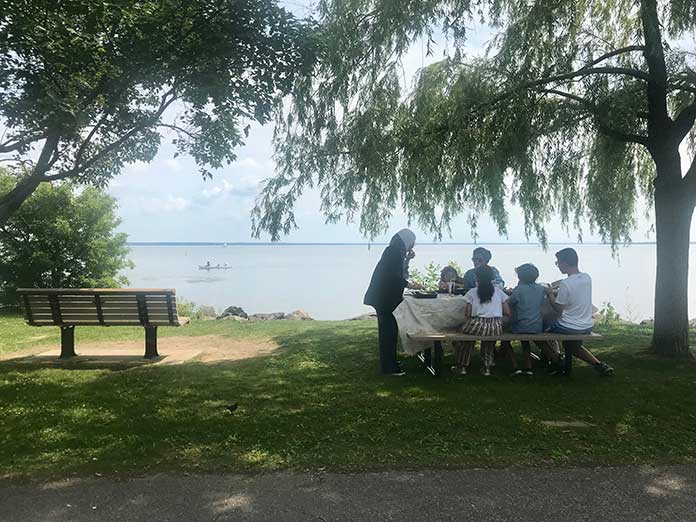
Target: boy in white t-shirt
x=574 y=304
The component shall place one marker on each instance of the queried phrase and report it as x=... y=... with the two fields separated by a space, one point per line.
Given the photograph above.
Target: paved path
x=630 y=494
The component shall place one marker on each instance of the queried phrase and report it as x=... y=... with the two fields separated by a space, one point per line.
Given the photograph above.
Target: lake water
x=329 y=281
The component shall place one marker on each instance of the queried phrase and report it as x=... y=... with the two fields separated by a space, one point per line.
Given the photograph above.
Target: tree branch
x=611 y=54
x=585 y=71
x=690 y=179
x=177 y=129
x=604 y=126
x=684 y=122
x=167 y=99
x=23 y=142
x=659 y=121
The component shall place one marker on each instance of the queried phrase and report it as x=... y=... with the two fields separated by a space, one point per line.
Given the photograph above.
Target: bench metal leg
x=67 y=342
x=426 y=357
x=437 y=362
x=432 y=363
x=151 y=342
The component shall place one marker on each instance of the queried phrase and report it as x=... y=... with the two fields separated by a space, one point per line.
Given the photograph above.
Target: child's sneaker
x=458 y=370
x=516 y=373
x=603 y=368
x=486 y=372
x=528 y=373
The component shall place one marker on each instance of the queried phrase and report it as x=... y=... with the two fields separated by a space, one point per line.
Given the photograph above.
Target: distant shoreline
x=238 y=244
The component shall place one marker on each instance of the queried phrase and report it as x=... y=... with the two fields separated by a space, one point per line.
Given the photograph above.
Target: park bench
x=433 y=361
x=68 y=308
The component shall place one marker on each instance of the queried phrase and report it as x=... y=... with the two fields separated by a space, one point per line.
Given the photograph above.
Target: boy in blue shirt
x=526 y=302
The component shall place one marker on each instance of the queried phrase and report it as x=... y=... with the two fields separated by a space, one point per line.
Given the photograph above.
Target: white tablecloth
x=445 y=312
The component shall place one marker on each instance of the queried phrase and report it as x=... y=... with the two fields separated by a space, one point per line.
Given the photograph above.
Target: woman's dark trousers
x=388 y=335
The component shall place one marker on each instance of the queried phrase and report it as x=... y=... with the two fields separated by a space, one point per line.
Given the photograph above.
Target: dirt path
x=172 y=350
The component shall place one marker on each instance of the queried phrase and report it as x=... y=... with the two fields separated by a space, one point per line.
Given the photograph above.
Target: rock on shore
x=233 y=311
x=236 y=313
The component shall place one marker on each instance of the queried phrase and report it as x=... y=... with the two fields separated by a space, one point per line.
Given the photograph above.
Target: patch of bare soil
x=172 y=350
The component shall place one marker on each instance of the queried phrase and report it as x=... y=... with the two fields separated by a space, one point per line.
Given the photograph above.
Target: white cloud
x=167 y=204
x=248 y=163
x=173 y=164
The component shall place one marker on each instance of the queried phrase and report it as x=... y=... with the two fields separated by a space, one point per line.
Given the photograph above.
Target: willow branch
x=623 y=50
x=603 y=125
x=684 y=122
x=585 y=71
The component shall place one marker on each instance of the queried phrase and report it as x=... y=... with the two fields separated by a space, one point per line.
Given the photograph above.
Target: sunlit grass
x=318 y=402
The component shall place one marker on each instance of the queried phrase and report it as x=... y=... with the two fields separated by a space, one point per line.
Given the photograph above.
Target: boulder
x=183 y=321
x=235 y=311
x=233 y=318
x=298 y=315
x=277 y=316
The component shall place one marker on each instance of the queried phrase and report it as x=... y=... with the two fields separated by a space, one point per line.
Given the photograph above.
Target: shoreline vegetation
x=317 y=402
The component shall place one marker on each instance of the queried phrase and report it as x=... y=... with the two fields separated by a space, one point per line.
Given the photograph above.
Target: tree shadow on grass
x=93 y=362
x=318 y=402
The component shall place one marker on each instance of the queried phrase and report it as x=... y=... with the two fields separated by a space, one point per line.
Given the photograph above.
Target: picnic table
x=414 y=315
x=424 y=324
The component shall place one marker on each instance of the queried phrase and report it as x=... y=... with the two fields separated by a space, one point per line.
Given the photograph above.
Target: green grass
x=318 y=402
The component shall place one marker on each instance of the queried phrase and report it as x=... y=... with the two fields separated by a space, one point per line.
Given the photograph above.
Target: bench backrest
x=99 y=306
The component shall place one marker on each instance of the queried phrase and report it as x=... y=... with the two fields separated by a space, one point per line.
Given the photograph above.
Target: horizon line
x=366 y=243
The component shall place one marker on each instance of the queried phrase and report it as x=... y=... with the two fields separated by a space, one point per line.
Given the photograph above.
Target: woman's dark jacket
x=387 y=284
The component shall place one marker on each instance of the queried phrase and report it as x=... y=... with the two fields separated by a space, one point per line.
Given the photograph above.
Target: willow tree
x=88 y=86
x=577 y=109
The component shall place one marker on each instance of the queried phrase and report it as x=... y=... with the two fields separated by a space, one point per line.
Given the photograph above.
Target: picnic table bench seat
x=433 y=361
x=71 y=307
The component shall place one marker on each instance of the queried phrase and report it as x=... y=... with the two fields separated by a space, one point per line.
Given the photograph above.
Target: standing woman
x=386 y=292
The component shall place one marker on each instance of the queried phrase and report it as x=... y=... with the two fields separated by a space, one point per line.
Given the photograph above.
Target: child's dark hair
x=567 y=256
x=449 y=273
x=527 y=273
x=484 y=283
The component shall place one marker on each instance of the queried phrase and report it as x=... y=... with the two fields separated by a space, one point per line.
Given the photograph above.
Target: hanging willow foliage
x=553 y=117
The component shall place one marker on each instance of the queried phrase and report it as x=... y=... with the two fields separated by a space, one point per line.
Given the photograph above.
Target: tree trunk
x=11 y=201
x=673 y=211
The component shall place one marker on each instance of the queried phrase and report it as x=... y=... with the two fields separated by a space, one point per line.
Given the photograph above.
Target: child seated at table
x=486 y=305
x=448 y=275
x=526 y=304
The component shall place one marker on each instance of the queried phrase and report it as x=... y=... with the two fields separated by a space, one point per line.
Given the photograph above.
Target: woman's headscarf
x=408 y=237
x=407 y=241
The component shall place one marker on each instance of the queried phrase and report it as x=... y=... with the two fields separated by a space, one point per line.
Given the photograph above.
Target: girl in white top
x=486 y=305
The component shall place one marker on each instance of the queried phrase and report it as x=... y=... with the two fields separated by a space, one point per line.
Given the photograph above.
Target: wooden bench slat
x=92 y=291
x=68 y=308
x=437 y=336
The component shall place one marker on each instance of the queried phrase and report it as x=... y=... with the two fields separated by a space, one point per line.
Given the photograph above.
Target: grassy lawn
x=318 y=403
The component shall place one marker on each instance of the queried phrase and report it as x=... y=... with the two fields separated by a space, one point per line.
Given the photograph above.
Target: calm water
x=329 y=281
